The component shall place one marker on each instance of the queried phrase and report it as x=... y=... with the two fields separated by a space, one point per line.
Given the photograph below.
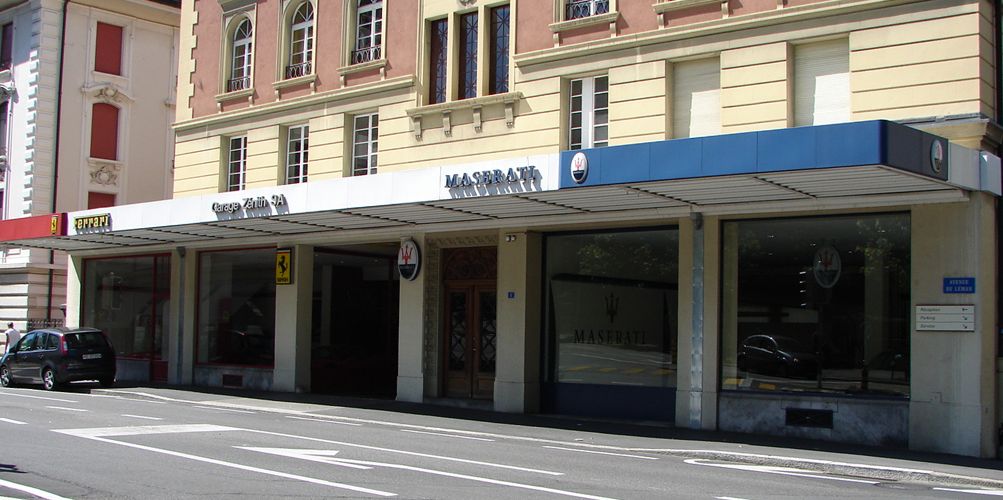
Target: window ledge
x=292 y=82
x=358 y=68
x=673 y=5
x=508 y=100
x=247 y=93
x=581 y=22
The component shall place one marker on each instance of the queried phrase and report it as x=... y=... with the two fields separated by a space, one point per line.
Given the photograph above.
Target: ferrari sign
x=283 y=266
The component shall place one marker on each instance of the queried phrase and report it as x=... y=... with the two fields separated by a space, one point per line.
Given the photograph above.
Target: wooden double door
x=470 y=334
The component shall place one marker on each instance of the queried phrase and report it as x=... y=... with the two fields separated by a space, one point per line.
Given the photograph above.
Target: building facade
x=77 y=78
x=772 y=217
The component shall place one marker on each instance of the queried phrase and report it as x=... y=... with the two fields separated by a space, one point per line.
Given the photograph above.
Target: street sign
x=959 y=285
x=945 y=318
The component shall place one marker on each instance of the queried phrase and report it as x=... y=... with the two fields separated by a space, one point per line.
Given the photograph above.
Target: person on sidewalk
x=11 y=336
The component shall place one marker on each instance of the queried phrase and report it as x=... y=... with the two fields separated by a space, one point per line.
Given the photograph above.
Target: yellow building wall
x=916 y=60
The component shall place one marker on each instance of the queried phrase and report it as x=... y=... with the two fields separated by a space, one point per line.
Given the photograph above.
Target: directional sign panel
x=945 y=318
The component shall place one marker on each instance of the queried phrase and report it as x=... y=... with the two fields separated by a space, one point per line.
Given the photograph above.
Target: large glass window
x=236 y=307
x=612 y=301
x=817 y=304
x=128 y=299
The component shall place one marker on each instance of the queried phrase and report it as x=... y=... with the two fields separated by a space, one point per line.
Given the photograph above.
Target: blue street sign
x=959 y=285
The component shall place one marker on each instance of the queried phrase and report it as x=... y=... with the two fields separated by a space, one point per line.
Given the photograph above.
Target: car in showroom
x=55 y=356
x=777 y=355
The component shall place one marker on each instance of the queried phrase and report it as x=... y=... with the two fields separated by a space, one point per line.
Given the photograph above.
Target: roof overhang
x=856 y=165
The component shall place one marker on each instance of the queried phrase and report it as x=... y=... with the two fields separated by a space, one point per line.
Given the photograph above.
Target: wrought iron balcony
x=367 y=54
x=577 y=9
x=298 y=70
x=235 y=84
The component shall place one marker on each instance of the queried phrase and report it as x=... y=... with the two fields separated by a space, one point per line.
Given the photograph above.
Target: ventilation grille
x=801 y=417
x=235 y=381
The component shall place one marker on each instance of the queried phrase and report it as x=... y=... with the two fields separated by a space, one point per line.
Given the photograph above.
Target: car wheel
x=107 y=382
x=5 y=379
x=48 y=379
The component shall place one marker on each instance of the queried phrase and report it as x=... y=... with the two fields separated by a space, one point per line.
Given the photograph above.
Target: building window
x=236 y=164
x=368 y=31
x=301 y=42
x=438 y=53
x=822 y=83
x=128 y=298
x=817 y=304
x=4 y=121
x=108 y=49
x=100 y=200
x=589 y=117
x=696 y=98
x=6 y=46
x=104 y=131
x=365 y=145
x=297 y=154
x=576 y=9
x=468 y=56
x=241 y=56
x=498 y=64
x=236 y=307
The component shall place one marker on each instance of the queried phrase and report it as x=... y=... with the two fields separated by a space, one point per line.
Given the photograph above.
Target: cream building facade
x=767 y=217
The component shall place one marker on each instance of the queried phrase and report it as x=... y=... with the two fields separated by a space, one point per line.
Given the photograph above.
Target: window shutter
x=696 y=98
x=108 y=50
x=822 y=83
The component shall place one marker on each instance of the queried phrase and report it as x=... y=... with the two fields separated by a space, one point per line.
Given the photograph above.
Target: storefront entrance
x=355 y=328
x=469 y=324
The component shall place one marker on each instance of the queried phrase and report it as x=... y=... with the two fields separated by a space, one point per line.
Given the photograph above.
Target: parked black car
x=55 y=356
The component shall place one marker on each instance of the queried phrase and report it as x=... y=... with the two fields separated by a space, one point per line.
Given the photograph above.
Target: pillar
x=410 y=372
x=293 y=316
x=517 y=376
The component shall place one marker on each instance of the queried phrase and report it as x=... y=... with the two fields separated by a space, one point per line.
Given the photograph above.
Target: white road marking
x=992 y=493
x=730 y=498
x=222 y=409
x=324 y=421
x=31 y=491
x=7 y=393
x=783 y=471
x=322 y=456
x=601 y=453
x=447 y=435
x=95 y=434
x=141 y=416
x=65 y=408
x=328 y=456
x=479 y=479
x=11 y=421
x=403 y=452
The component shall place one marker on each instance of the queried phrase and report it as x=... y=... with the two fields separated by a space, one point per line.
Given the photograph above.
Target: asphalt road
x=88 y=442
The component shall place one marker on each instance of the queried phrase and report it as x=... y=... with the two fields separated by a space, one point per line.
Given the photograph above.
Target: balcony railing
x=577 y=9
x=235 y=84
x=367 y=54
x=298 y=70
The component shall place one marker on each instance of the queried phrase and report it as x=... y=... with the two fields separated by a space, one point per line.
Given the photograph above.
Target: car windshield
x=85 y=339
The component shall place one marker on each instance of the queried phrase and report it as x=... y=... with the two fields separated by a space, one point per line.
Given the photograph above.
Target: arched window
x=240 y=68
x=368 y=31
x=104 y=131
x=301 y=42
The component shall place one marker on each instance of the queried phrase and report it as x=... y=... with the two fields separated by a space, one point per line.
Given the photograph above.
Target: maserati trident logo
x=612 y=307
x=579 y=167
x=408 y=260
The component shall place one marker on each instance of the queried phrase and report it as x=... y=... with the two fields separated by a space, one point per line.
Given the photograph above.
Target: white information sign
x=945 y=318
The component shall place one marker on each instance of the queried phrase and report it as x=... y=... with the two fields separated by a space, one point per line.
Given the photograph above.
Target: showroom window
x=236 y=307
x=611 y=307
x=128 y=298
x=817 y=304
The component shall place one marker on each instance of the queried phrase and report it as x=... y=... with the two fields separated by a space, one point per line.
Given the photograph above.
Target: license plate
x=92 y=356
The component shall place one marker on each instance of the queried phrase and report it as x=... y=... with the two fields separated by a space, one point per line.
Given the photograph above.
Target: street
x=88 y=442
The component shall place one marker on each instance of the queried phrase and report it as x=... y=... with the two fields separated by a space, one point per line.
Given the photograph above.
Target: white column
x=74 y=279
x=293 y=317
x=410 y=372
x=517 y=379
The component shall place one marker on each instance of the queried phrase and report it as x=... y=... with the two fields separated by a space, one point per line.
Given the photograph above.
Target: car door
x=21 y=362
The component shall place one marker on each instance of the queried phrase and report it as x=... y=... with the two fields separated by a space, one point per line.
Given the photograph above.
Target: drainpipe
x=55 y=162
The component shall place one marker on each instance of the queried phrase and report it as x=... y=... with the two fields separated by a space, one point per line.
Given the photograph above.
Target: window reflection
x=236 y=312
x=817 y=304
x=128 y=299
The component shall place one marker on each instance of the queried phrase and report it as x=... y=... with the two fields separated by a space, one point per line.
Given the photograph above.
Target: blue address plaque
x=959 y=285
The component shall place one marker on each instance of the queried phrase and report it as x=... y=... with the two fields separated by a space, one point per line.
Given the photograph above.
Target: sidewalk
x=881 y=463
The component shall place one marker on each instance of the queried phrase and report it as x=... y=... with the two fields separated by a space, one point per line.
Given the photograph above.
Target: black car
x=55 y=356
x=776 y=355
